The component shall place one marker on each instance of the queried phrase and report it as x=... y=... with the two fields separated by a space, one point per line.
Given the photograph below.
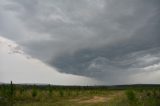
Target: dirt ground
x=96 y=99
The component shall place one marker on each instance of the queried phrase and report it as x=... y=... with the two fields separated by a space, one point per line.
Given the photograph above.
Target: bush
x=50 y=90
x=8 y=91
x=61 y=93
x=131 y=96
x=34 y=93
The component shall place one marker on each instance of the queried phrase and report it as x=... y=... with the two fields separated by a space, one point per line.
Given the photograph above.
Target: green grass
x=23 y=95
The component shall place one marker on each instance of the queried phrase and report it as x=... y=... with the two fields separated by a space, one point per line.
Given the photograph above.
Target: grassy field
x=46 y=95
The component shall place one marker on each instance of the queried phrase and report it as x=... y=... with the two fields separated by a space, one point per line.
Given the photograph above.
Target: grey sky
x=115 y=41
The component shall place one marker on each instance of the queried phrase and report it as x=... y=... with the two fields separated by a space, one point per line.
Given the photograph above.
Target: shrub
x=34 y=93
x=21 y=90
x=61 y=93
x=50 y=90
x=8 y=90
x=131 y=96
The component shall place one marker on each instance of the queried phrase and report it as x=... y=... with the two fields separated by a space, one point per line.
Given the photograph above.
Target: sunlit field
x=47 y=95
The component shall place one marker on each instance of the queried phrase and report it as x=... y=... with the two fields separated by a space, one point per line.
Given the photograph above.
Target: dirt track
x=97 y=99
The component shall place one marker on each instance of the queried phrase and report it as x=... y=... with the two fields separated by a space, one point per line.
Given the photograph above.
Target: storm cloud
x=115 y=41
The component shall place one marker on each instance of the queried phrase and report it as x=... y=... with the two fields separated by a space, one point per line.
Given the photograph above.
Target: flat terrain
x=32 y=95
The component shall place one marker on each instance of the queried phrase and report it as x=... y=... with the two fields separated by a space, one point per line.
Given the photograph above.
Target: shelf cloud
x=115 y=41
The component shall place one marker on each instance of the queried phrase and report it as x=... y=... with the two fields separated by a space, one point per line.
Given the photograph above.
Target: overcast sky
x=115 y=41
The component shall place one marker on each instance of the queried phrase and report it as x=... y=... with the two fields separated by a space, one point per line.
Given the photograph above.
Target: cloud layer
x=18 y=67
x=116 y=41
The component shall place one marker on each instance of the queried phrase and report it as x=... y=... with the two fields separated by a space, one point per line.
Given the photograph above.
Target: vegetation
x=48 y=95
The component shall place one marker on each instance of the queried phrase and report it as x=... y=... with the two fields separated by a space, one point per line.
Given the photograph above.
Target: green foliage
x=34 y=92
x=72 y=96
x=50 y=90
x=21 y=90
x=7 y=94
x=131 y=96
x=61 y=93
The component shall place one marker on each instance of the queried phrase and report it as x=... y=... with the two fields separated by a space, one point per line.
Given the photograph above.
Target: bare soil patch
x=96 y=99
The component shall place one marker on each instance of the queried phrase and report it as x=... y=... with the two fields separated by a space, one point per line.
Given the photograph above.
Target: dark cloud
x=111 y=40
